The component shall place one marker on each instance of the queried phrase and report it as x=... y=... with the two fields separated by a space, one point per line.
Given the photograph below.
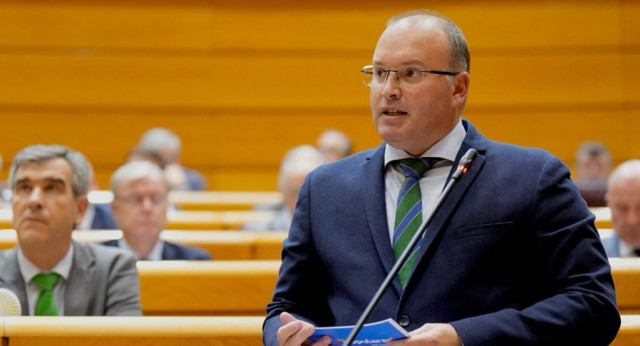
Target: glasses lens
x=367 y=75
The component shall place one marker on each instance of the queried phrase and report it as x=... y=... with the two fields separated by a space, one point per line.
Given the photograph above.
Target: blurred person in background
x=334 y=145
x=168 y=145
x=140 y=208
x=593 y=165
x=295 y=166
x=623 y=197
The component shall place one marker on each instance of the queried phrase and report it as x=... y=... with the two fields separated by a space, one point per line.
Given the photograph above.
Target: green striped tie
x=45 y=305
x=409 y=210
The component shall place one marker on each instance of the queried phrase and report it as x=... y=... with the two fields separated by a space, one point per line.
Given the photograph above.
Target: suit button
x=403 y=320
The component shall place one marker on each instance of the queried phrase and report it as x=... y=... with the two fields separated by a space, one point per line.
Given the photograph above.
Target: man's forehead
x=418 y=40
x=56 y=168
x=149 y=182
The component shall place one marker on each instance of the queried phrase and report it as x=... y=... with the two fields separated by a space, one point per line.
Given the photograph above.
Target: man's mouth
x=393 y=112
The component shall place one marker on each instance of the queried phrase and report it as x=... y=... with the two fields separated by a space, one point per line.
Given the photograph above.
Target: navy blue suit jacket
x=103 y=217
x=511 y=258
x=173 y=251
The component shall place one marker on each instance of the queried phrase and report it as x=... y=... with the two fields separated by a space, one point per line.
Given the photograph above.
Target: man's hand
x=294 y=332
x=431 y=334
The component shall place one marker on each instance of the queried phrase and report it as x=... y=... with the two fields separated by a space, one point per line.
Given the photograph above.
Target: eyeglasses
x=375 y=76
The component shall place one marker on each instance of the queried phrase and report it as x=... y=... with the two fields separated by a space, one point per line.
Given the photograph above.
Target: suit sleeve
x=123 y=292
x=302 y=282
x=579 y=305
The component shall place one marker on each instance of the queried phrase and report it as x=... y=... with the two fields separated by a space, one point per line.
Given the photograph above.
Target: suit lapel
x=475 y=140
x=77 y=296
x=372 y=173
x=13 y=280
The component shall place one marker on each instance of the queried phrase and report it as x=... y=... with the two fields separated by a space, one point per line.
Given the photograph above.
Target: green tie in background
x=409 y=210
x=46 y=283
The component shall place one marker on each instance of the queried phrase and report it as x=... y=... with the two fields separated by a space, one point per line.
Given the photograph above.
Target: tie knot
x=416 y=167
x=46 y=281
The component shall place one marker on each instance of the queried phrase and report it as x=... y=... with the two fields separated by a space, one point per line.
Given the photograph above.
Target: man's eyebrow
x=22 y=181
x=55 y=181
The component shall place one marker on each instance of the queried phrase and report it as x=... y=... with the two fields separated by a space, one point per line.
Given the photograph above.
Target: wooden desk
x=223 y=200
x=192 y=220
x=222 y=245
x=207 y=200
x=626 y=277
x=219 y=220
x=134 y=331
x=603 y=217
x=206 y=287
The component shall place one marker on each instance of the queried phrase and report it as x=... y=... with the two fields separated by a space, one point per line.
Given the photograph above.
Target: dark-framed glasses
x=374 y=76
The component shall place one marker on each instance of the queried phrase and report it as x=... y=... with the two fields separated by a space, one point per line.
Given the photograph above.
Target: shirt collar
x=446 y=148
x=154 y=255
x=29 y=270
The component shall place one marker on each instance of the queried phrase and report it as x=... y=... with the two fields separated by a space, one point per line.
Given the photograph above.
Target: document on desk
x=371 y=334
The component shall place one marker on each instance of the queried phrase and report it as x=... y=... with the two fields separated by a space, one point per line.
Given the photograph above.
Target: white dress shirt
x=432 y=182
x=29 y=271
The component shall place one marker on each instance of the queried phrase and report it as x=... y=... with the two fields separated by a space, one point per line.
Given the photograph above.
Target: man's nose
x=391 y=86
x=147 y=203
x=36 y=196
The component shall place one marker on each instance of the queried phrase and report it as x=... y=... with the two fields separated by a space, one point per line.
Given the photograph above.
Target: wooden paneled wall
x=242 y=81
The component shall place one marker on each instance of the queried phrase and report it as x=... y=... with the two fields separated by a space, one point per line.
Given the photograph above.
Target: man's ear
x=461 y=87
x=82 y=203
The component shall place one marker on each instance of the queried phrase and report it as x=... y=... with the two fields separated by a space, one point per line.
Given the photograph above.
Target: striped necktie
x=45 y=306
x=409 y=210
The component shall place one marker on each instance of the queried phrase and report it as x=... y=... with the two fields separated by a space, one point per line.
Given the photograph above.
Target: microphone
x=465 y=163
x=9 y=303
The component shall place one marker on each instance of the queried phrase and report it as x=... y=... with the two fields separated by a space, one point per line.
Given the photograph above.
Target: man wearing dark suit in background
x=140 y=209
x=511 y=258
x=50 y=273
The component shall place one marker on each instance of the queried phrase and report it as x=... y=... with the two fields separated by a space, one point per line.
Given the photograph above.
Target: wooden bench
x=161 y=331
x=603 y=217
x=134 y=331
x=208 y=200
x=206 y=287
x=222 y=245
x=192 y=219
x=245 y=287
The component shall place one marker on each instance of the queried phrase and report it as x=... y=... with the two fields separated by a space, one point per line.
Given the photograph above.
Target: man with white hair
x=295 y=166
x=334 y=145
x=623 y=197
x=140 y=209
x=168 y=146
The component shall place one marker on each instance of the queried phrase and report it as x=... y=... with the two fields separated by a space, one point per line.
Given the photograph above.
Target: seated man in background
x=623 y=197
x=295 y=166
x=49 y=272
x=334 y=145
x=140 y=208
x=593 y=164
x=168 y=145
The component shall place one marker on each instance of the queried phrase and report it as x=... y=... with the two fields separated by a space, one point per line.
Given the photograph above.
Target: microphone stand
x=465 y=163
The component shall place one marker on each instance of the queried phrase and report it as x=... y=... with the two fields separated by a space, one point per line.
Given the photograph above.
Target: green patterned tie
x=409 y=210
x=46 y=283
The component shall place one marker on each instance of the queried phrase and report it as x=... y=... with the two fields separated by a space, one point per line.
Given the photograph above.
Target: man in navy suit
x=140 y=209
x=511 y=258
